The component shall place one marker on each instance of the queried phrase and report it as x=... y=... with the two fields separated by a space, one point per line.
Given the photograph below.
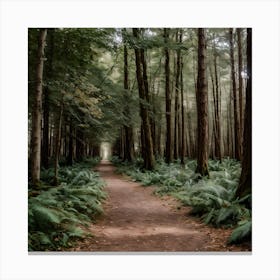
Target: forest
x=139 y=139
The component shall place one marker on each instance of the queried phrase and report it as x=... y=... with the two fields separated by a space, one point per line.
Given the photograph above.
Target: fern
x=241 y=233
x=56 y=215
x=213 y=199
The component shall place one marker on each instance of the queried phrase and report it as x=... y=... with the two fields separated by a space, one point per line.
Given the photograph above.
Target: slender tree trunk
x=245 y=182
x=168 y=148
x=217 y=113
x=45 y=145
x=149 y=161
x=177 y=105
x=46 y=107
x=37 y=111
x=237 y=139
x=202 y=107
x=240 y=86
x=128 y=130
x=57 y=144
x=80 y=146
x=70 y=144
x=183 y=149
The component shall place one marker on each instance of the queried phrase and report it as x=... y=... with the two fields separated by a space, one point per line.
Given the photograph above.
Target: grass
x=211 y=198
x=56 y=215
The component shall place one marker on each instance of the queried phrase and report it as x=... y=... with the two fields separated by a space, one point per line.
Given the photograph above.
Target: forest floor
x=135 y=220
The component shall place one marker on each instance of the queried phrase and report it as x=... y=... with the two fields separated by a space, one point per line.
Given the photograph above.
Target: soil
x=136 y=220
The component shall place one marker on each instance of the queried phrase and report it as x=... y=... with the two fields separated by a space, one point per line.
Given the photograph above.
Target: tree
x=37 y=111
x=128 y=129
x=46 y=103
x=234 y=97
x=177 y=129
x=245 y=182
x=183 y=149
x=216 y=97
x=168 y=148
x=58 y=141
x=148 y=155
x=202 y=106
x=240 y=86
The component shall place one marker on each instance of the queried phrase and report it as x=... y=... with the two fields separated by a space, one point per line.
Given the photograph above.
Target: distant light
x=105 y=150
x=244 y=75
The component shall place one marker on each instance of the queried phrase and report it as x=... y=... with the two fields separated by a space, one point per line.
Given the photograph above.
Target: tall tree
x=240 y=81
x=149 y=160
x=202 y=106
x=183 y=144
x=168 y=148
x=177 y=104
x=37 y=111
x=217 y=130
x=46 y=103
x=57 y=141
x=128 y=130
x=70 y=143
x=237 y=139
x=245 y=182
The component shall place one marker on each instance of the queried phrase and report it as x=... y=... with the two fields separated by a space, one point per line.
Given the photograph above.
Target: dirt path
x=136 y=220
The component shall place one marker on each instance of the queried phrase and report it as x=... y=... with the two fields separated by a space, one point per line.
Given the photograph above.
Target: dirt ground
x=135 y=220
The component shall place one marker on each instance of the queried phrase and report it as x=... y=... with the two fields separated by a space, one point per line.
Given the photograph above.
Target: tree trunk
x=46 y=107
x=245 y=182
x=240 y=86
x=168 y=148
x=177 y=105
x=217 y=113
x=183 y=149
x=202 y=107
x=128 y=130
x=45 y=144
x=37 y=111
x=80 y=146
x=149 y=161
x=70 y=144
x=57 y=144
x=234 y=95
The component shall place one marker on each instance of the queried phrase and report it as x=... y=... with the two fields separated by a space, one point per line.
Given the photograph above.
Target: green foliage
x=212 y=199
x=242 y=233
x=56 y=215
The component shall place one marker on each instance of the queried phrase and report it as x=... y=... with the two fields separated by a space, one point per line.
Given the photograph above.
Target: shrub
x=56 y=214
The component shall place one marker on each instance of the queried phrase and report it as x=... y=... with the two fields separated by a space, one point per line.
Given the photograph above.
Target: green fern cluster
x=211 y=198
x=56 y=215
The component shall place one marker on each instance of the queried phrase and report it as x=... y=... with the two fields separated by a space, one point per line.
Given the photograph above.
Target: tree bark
x=57 y=144
x=70 y=144
x=80 y=146
x=148 y=156
x=237 y=139
x=128 y=130
x=240 y=86
x=37 y=111
x=218 y=153
x=245 y=182
x=46 y=107
x=177 y=105
x=202 y=107
x=183 y=149
x=168 y=148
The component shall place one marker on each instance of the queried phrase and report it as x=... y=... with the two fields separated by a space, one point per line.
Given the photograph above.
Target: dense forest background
x=90 y=92
x=151 y=94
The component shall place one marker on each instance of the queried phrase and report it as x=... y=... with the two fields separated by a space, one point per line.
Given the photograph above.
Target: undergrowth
x=211 y=198
x=56 y=215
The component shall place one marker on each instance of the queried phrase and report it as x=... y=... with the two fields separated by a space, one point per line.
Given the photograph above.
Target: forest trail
x=135 y=220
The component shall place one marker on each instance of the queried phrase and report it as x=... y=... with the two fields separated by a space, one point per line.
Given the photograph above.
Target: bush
x=56 y=214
